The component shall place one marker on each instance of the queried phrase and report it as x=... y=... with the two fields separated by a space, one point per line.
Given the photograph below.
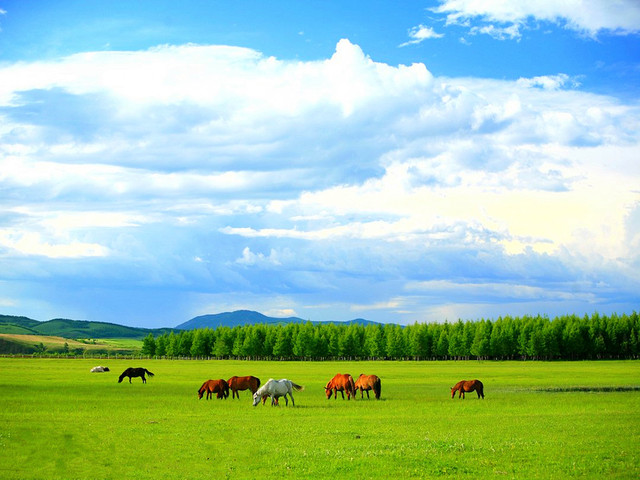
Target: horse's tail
x=351 y=387
x=377 y=388
x=148 y=372
x=297 y=387
x=257 y=383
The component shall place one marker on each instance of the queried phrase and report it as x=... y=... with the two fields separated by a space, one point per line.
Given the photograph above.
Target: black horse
x=135 y=372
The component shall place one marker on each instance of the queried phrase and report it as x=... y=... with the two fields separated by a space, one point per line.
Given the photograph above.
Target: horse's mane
x=261 y=390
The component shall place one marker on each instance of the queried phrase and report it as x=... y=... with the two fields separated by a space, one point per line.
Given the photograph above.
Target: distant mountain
x=62 y=327
x=248 y=317
x=233 y=319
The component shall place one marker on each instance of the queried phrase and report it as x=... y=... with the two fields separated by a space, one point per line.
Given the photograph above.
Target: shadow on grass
x=588 y=389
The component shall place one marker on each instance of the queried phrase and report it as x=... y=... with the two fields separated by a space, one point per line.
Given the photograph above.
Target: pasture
x=538 y=420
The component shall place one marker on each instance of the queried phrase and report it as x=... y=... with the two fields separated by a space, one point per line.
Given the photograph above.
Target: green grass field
x=57 y=420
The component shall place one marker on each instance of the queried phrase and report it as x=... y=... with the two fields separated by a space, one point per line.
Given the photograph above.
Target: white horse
x=277 y=388
x=99 y=369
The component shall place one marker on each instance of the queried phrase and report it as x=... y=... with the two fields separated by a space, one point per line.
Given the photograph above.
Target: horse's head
x=453 y=392
x=256 y=399
x=328 y=391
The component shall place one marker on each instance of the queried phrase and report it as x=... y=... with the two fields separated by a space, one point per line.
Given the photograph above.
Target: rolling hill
x=62 y=327
x=82 y=329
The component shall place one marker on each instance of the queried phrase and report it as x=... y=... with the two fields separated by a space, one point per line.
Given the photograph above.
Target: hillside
x=29 y=344
x=73 y=328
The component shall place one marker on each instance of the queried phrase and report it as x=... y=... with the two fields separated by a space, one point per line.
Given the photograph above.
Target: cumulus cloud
x=505 y=19
x=227 y=176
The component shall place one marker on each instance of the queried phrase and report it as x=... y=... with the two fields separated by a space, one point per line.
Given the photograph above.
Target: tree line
x=567 y=337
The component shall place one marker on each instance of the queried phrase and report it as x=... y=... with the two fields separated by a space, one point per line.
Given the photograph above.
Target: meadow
x=538 y=420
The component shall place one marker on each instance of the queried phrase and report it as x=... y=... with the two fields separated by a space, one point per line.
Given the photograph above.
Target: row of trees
x=539 y=338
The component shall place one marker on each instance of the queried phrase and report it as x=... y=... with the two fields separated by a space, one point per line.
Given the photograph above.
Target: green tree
x=442 y=346
x=282 y=347
x=373 y=341
x=161 y=345
x=395 y=341
x=303 y=346
x=223 y=342
x=481 y=341
x=149 y=345
x=199 y=347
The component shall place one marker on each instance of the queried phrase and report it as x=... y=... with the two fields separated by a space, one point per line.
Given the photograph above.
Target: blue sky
x=397 y=161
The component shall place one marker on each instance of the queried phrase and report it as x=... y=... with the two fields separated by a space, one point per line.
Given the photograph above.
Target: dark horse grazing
x=468 y=386
x=219 y=387
x=135 y=372
x=341 y=383
x=243 y=383
x=369 y=382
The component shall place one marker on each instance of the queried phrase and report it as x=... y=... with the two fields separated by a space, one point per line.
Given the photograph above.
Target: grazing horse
x=135 y=372
x=99 y=369
x=369 y=382
x=277 y=388
x=219 y=387
x=341 y=383
x=243 y=383
x=468 y=386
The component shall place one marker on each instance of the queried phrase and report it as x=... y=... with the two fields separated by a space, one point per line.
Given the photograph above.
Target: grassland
x=55 y=344
x=59 y=421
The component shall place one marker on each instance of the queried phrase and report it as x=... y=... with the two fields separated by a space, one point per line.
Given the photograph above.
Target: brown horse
x=468 y=386
x=219 y=387
x=341 y=383
x=369 y=382
x=243 y=383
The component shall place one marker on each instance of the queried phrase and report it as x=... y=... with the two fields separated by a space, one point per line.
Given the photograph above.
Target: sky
x=399 y=161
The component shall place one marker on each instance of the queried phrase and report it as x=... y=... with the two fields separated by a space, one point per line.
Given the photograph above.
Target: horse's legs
x=368 y=397
x=129 y=379
x=144 y=380
x=341 y=393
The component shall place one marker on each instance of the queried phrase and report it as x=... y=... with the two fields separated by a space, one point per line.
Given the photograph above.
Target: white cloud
x=33 y=244
x=421 y=33
x=334 y=182
x=552 y=82
x=249 y=258
x=590 y=17
x=499 y=33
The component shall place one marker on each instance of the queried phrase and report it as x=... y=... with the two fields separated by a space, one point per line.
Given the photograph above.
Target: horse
x=369 y=382
x=468 y=386
x=219 y=387
x=243 y=383
x=135 y=372
x=277 y=388
x=99 y=369
x=341 y=383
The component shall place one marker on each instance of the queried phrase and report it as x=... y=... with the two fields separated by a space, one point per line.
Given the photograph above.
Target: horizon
x=435 y=161
x=449 y=321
